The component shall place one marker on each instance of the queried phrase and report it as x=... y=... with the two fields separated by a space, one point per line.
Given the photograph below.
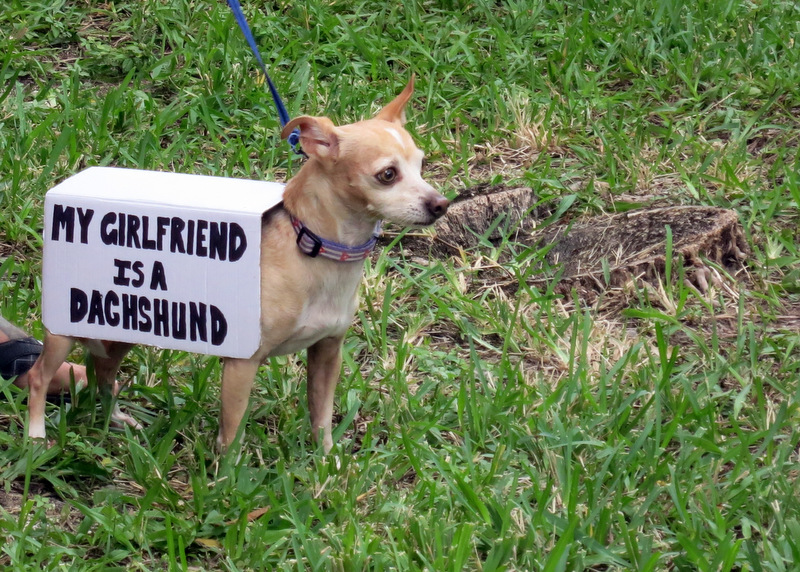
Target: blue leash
x=283 y=115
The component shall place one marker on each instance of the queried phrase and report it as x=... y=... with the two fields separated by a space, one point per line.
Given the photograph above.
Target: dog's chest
x=327 y=312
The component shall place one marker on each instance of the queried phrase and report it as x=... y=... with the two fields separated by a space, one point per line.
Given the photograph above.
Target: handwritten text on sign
x=173 y=268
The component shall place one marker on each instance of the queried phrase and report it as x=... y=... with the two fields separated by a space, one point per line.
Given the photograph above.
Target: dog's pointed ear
x=318 y=136
x=395 y=110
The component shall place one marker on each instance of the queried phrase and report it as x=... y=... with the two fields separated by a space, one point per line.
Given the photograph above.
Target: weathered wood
x=594 y=253
x=468 y=220
x=616 y=247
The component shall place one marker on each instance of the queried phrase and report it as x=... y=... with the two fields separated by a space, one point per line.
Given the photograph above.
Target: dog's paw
x=120 y=419
x=42 y=441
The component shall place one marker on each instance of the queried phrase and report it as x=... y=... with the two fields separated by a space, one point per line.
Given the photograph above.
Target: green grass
x=484 y=422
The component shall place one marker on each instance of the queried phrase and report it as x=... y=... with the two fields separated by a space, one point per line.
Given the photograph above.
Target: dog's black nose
x=437 y=205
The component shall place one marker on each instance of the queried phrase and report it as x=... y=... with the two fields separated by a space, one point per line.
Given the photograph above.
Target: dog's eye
x=387 y=176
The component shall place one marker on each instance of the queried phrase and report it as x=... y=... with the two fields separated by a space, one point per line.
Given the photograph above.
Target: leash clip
x=313 y=237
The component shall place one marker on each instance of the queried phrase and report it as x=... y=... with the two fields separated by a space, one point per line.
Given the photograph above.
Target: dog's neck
x=310 y=197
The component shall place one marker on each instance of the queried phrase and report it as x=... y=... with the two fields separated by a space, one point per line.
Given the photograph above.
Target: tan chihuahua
x=355 y=176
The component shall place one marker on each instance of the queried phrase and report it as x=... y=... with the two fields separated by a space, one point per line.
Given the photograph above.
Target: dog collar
x=314 y=245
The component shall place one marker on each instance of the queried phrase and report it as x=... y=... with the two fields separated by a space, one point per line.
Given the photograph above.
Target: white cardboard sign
x=162 y=259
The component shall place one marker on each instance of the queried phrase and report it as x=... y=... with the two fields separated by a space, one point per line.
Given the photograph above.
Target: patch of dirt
x=789 y=318
x=57 y=510
x=18 y=250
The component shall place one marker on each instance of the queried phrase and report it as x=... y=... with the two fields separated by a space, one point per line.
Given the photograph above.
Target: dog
x=356 y=175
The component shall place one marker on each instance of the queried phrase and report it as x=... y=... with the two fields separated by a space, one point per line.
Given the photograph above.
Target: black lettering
x=133 y=231
x=161 y=317
x=176 y=238
x=190 y=237
x=147 y=242
x=129 y=307
x=108 y=237
x=237 y=242
x=112 y=301
x=197 y=321
x=122 y=219
x=78 y=305
x=145 y=324
x=96 y=309
x=121 y=279
x=219 y=326
x=139 y=280
x=63 y=218
x=218 y=240
x=162 y=223
x=179 y=320
x=158 y=279
x=84 y=218
x=202 y=249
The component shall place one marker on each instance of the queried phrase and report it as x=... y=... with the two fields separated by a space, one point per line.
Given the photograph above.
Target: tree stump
x=593 y=253
x=608 y=250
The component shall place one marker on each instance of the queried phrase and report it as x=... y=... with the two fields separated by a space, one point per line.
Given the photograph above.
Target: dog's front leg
x=237 y=381
x=324 y=365
x=54 y=352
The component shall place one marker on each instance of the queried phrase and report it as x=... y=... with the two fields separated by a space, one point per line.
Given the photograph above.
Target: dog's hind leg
x=238 y=376
x=106 y=368
x=41 y=373
x=324 y=367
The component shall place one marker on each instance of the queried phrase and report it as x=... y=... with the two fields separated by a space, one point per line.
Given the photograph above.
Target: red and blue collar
x=313 y=245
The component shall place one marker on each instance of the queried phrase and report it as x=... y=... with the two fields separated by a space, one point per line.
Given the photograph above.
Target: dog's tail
x=12 y=331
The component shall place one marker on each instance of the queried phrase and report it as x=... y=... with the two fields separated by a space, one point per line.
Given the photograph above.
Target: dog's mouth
x=433 y=208
x=419 y=223
x=420 y=218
